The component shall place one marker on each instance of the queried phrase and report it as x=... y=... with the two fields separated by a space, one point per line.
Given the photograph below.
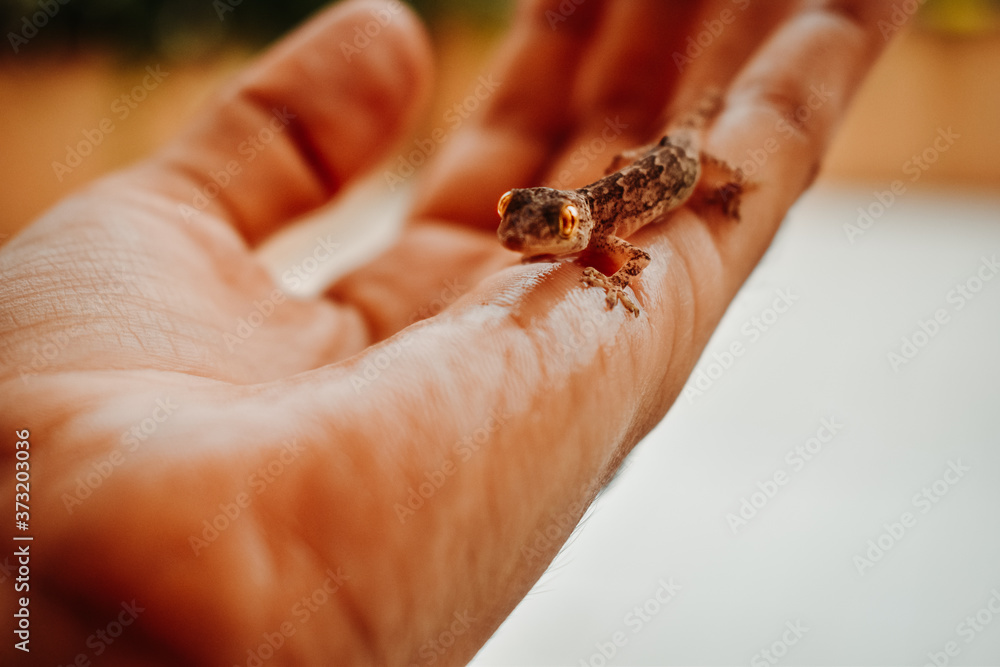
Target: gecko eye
x=504 y=201
x=569 y=218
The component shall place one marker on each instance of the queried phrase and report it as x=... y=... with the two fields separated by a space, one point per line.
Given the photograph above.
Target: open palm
x=229 y=474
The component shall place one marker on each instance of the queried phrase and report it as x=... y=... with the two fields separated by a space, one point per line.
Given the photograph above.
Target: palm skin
x=516 y=404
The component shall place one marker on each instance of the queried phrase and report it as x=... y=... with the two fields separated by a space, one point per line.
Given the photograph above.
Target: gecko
x=640 y=187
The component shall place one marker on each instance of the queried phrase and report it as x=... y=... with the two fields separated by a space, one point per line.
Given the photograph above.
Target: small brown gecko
x=654 y=180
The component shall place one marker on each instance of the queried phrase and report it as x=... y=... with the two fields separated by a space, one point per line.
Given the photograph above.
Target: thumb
x=316 y=110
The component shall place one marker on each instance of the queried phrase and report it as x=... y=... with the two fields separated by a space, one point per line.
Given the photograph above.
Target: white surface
x=664 y=518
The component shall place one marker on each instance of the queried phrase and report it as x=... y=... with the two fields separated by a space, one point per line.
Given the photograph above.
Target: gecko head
x=544 y=221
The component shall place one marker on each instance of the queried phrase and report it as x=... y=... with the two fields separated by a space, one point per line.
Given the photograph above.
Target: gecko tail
x=684 y=131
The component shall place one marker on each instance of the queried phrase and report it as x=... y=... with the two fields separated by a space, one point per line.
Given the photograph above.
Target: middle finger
x=658 y=59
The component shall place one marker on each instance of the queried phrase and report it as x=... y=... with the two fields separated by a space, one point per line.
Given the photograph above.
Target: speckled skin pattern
x=660 y=179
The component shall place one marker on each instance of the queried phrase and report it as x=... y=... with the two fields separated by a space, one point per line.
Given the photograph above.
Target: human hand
x=516 y=404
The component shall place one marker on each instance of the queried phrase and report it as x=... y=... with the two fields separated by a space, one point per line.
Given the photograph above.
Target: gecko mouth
x=533 y=249
x=513 y=239
x=510 y=241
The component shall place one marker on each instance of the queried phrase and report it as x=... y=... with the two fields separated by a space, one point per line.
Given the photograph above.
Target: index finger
x=525 y=120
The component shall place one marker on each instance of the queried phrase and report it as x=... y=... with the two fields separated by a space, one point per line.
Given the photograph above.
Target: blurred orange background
x=928 y=81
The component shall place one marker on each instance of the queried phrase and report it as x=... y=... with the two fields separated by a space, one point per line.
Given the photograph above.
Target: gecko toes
x=613 y=293
x=594 y=278
x=630 y=306
x=627 y=302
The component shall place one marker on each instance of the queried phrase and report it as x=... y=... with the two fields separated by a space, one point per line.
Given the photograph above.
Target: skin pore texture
x=384 y=475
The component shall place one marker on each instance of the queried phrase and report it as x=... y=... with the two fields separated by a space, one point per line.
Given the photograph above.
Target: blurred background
x=61 y=76
x=732 y=535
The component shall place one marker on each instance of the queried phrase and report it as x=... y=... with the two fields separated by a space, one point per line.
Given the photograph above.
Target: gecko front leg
x=635 y=260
